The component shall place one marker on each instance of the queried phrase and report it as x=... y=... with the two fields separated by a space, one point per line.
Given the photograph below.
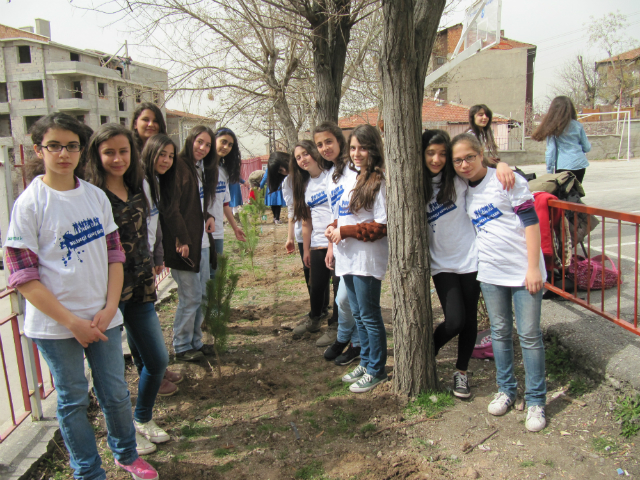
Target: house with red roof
x=620 y=71
x=500 y=77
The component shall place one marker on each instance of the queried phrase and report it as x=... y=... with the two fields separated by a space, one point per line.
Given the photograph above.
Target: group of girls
x=83 y=245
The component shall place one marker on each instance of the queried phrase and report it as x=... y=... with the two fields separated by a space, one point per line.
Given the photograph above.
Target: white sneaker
x=144 y=446
x=536 y=420
x=500 y=404
x=151 y=431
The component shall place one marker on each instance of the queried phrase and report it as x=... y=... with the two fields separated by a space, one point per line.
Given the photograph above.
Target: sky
x=557 y=27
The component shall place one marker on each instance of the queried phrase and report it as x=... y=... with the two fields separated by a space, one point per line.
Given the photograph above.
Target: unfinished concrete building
x=39 y=76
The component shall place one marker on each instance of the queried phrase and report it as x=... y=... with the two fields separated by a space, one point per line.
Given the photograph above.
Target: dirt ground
x=280 y=410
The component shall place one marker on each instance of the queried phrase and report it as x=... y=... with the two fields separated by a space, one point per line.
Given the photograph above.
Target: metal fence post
x=17 y=301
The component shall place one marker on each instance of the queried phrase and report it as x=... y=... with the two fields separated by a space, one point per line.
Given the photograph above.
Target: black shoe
x=461 y=385
x=352 y=353
x=190 y=355
x=334 y=350
x=207 y=349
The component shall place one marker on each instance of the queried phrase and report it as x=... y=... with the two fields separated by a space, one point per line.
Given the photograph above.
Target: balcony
x=78 y=104
x=4 y=108
x=82 y=68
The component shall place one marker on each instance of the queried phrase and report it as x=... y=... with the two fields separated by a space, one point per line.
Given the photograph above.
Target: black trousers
x=325 y=304
x=276 y=211
x=319 y=276
x=458 y=294
x=578 y=173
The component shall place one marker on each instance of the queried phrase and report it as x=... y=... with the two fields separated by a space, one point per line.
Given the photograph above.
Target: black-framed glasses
x=469 y=159
x=56 y=148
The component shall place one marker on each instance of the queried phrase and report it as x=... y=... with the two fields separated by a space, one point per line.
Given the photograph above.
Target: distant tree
x=578 y=80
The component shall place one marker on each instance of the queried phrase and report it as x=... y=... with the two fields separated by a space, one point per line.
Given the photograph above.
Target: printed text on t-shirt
x=85 y=231
x=485 y=214
x=317 y=199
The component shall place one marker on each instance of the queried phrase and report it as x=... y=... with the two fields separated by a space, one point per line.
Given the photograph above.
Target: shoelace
x=461 y=381
x=536 y=412
x=366 y=378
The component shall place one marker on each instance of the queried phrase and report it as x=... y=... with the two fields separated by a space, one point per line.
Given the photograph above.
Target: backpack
x=483 y=347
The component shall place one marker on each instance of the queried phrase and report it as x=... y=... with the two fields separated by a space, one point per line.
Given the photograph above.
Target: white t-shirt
x=67 y=231
x=316 y=196
x=354 y=257
x=336 y=190
x=502 y=247
x=452 y=240
x=205 y=237
x=152 y=219
x=222 y=197
x=287 y=194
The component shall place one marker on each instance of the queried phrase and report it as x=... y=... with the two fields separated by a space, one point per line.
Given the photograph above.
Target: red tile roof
x=508 y=44
x=630 y=55
x=10 y=32
x=433 y=111
x=262 y=158
x=178 y=113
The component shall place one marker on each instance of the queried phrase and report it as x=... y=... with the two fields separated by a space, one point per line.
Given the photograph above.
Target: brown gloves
x=365 y=232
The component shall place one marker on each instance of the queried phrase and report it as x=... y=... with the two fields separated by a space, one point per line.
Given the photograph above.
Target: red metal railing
x=608 y=218
x=17 y=418
x=163 y=274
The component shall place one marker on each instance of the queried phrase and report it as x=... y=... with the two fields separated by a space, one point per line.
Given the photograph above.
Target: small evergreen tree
x=217 y=306
x=250 y=226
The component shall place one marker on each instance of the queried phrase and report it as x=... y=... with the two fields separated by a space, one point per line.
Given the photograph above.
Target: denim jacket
x=571 y=147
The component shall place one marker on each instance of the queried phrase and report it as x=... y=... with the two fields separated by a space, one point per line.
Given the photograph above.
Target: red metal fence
x=618 y=304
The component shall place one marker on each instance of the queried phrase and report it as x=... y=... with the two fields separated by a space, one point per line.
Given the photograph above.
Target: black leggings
x=325 y=304
x=578 y=173
x=458 y=294
x=276 y=211
x=319 y=276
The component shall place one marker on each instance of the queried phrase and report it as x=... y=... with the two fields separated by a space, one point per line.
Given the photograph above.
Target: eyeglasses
x=71 y=148
x=469 y=159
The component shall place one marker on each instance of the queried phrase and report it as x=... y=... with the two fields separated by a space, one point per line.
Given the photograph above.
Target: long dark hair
x=149 y=158
x=300 y=178
x=470 y=140
x=209 y=163
x=447 y=192
x=372 y=173
x=484 y=135
x=561 y=112
x=277 y=160
x=95 y=172
x=162 y=126
x=58 y=121
x=233 y=160
x=342 y=160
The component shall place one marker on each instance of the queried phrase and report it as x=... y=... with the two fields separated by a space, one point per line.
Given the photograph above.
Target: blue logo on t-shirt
x=436 y=210
x=343 y=209
x=222 y=186
x=85 y=231
x=154 y=211
x=201 y=192
x=318 y=199
x=336 y=195
x=485 y=214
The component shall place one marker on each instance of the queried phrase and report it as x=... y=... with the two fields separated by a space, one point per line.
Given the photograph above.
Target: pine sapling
x=250 y=227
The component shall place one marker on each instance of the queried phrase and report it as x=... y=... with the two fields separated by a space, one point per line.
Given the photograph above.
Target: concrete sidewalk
x=31 y=441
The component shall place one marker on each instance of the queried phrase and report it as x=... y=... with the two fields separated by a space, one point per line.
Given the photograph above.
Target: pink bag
x=590 y=273
x=483 y=347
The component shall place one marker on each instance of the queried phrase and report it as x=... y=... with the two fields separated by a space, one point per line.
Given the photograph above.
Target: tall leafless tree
x=410 y=28
x=578 y=80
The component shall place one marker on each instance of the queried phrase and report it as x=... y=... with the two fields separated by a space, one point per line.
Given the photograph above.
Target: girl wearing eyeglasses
x=452 y=247
x=511 y=271
x=65 y=257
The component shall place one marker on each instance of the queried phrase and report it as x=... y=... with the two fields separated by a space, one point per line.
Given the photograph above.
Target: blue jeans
x=527 y=309
x=65 y=358
x=219 y=242
x=192 y=288
x=146 y=343
x=347 y=330
x=364 y=298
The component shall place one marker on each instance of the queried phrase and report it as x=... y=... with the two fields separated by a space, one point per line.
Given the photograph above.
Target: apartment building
x=39 y=76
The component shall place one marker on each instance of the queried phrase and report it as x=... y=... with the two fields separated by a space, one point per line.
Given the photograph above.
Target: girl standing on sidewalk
x=114 y=167
x=183 y=212
x=228 y=173
x=567 y=141
x=312 y=206
x=64 y=255
x=146 y=122
x=480 y=117
x=361 y=213
x=453 y=251
x=342 y=332
x=273 y=199
x=510 y=270
x=157 y=160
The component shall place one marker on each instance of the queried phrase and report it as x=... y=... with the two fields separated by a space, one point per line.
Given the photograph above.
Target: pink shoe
x=173 y=377
x=140 y=470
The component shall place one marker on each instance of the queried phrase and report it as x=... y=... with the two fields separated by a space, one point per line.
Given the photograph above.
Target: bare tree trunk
x=409 y=31
x=281 y=107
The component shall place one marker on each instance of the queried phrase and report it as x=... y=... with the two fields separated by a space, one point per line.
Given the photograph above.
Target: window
x=156 y=98
x=440 y=60
x=138 y=95
x=29 y=121
x=24 y=54
x=77 y=89
x=123 y=121
x=121 y=99
x=4 y=93
x=102 y=90
x=80 y=118
x=75 y=57
x=32 y=90
x=104 y=119
x=5 y=126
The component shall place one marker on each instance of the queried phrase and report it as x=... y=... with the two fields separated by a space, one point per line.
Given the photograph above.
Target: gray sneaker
x=329 y=337
x=355 y=375
x=190 y=355
x=366 y=383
